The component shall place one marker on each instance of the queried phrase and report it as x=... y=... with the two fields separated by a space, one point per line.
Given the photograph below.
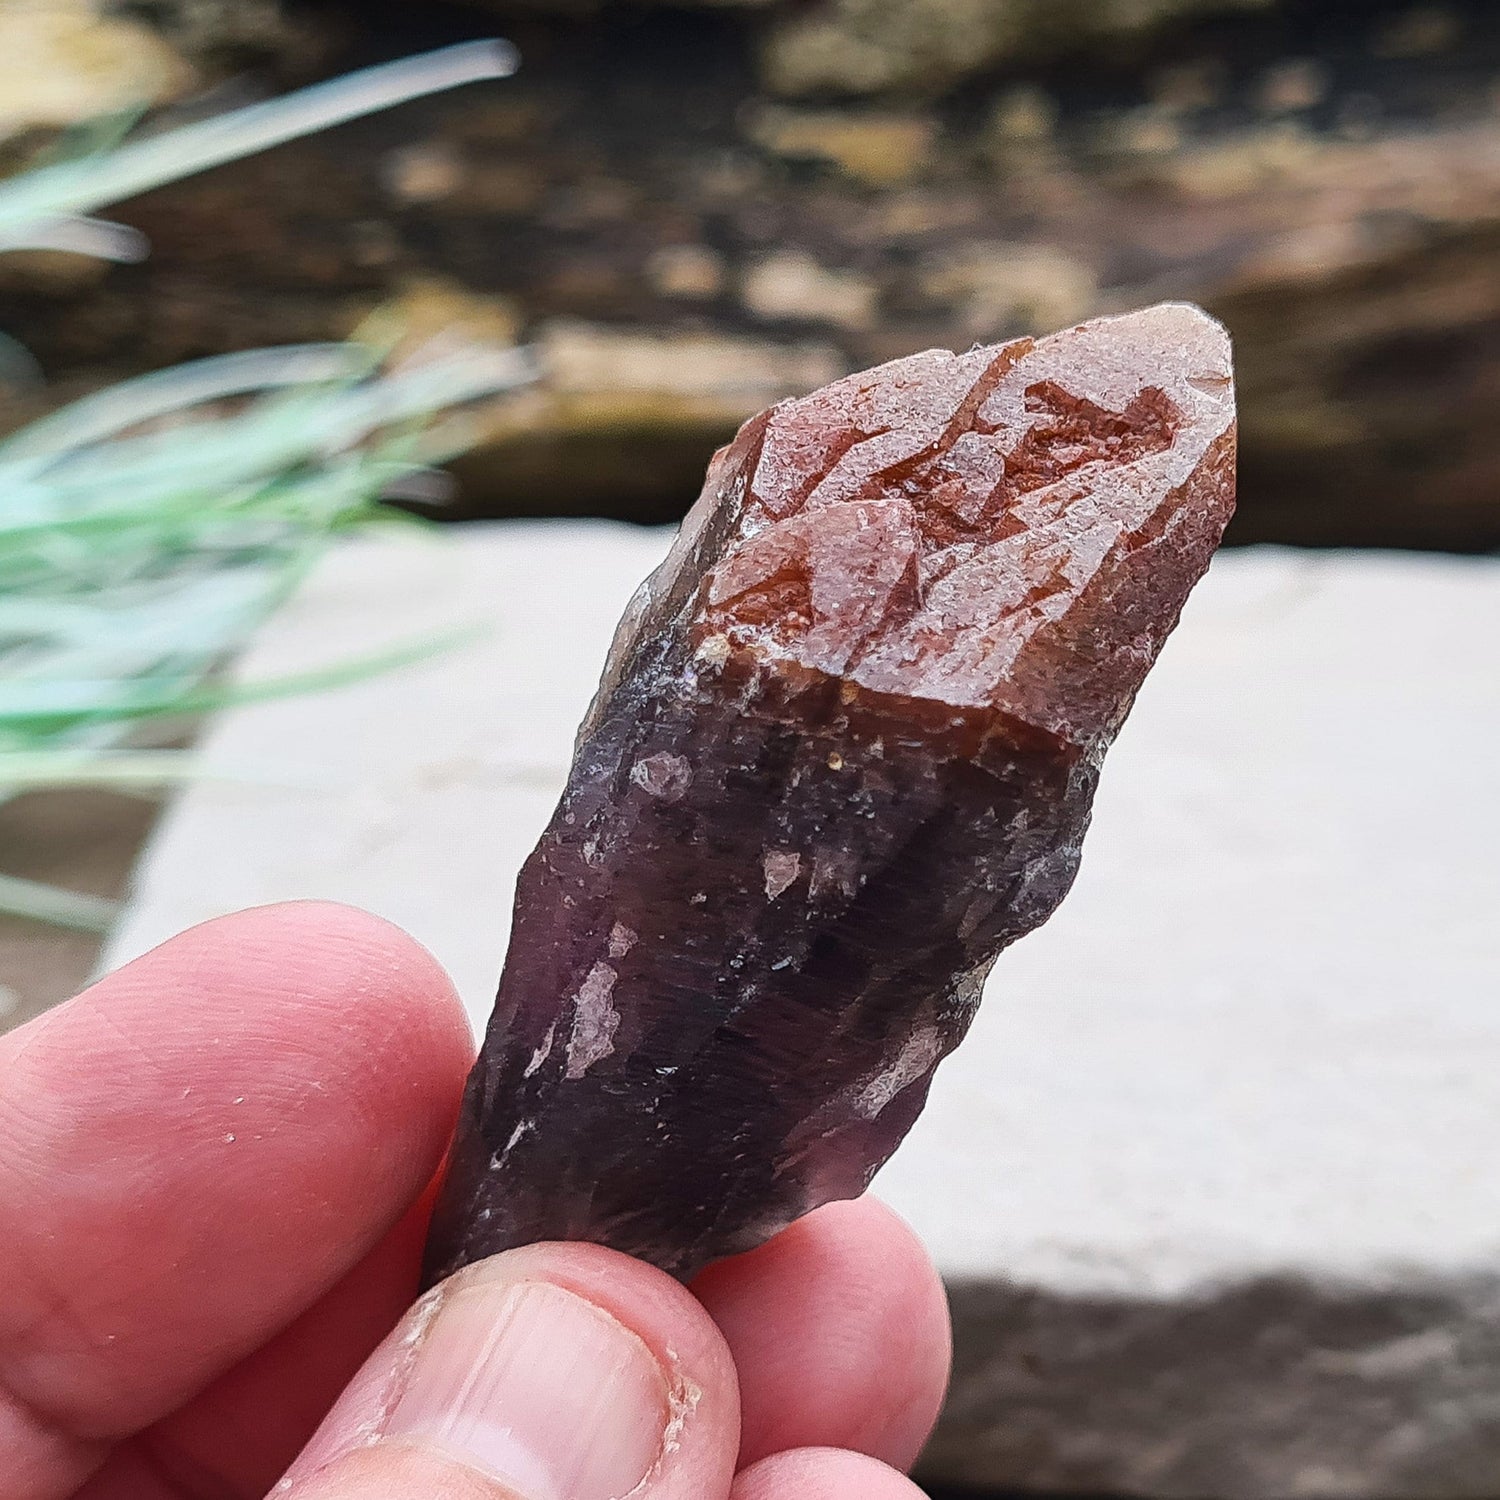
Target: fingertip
x=240 y=1434
x=823 y=1474
x=659 y=1308
x=554 y=1369
x=318 y=954
x=840 y=1330
x=328 y=995
x=249 y=1107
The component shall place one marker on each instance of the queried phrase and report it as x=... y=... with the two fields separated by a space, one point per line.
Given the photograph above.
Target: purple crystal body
x=843 y=753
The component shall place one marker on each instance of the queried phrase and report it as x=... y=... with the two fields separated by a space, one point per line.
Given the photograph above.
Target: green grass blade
x=53 y=705
x=138 y=770
x=54 y=906
x=69 y=189
x=147 y=530
x=167 y=392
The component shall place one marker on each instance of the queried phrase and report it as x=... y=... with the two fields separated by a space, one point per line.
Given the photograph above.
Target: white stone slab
x=419 y=793
x=1216 y=1181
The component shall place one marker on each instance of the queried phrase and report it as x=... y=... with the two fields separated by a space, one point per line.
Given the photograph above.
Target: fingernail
x=540 y=1389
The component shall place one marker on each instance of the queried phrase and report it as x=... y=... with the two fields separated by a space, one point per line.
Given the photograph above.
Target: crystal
x=843 y=753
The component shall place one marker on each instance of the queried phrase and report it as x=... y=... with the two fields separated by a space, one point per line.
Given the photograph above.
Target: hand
x=215 y=1175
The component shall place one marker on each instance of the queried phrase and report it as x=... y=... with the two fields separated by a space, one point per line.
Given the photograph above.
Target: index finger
x=194 y=1151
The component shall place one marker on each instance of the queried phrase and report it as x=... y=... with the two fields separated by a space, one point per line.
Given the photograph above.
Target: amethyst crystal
x=843 y=754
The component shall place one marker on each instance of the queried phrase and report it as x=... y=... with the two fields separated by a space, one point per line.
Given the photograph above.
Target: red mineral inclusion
x=843 y=753
x=984 y=529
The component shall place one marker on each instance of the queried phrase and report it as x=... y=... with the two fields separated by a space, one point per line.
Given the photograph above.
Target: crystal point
x=843 y=753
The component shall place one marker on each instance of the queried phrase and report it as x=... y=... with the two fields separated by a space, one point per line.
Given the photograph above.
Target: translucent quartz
x=843 y=753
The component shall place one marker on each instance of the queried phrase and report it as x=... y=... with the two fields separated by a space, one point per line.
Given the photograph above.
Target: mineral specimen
x=843 y=753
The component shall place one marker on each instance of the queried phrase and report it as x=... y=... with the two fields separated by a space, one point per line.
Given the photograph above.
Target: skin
x=215 y=1175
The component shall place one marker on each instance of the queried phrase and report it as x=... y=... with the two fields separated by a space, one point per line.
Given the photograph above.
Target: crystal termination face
x=843 y=753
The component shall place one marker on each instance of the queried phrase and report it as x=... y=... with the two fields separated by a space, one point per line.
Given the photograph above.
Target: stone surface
x=869 y=46
x=617 y=408
x=873 y=46
x=790 y=286
x=876 y=147
x=68 y=62
x=1211 y=1179
x=229 y=34
x=843 y=754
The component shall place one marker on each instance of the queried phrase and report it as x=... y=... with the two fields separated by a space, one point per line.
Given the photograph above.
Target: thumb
x=557 y=1372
